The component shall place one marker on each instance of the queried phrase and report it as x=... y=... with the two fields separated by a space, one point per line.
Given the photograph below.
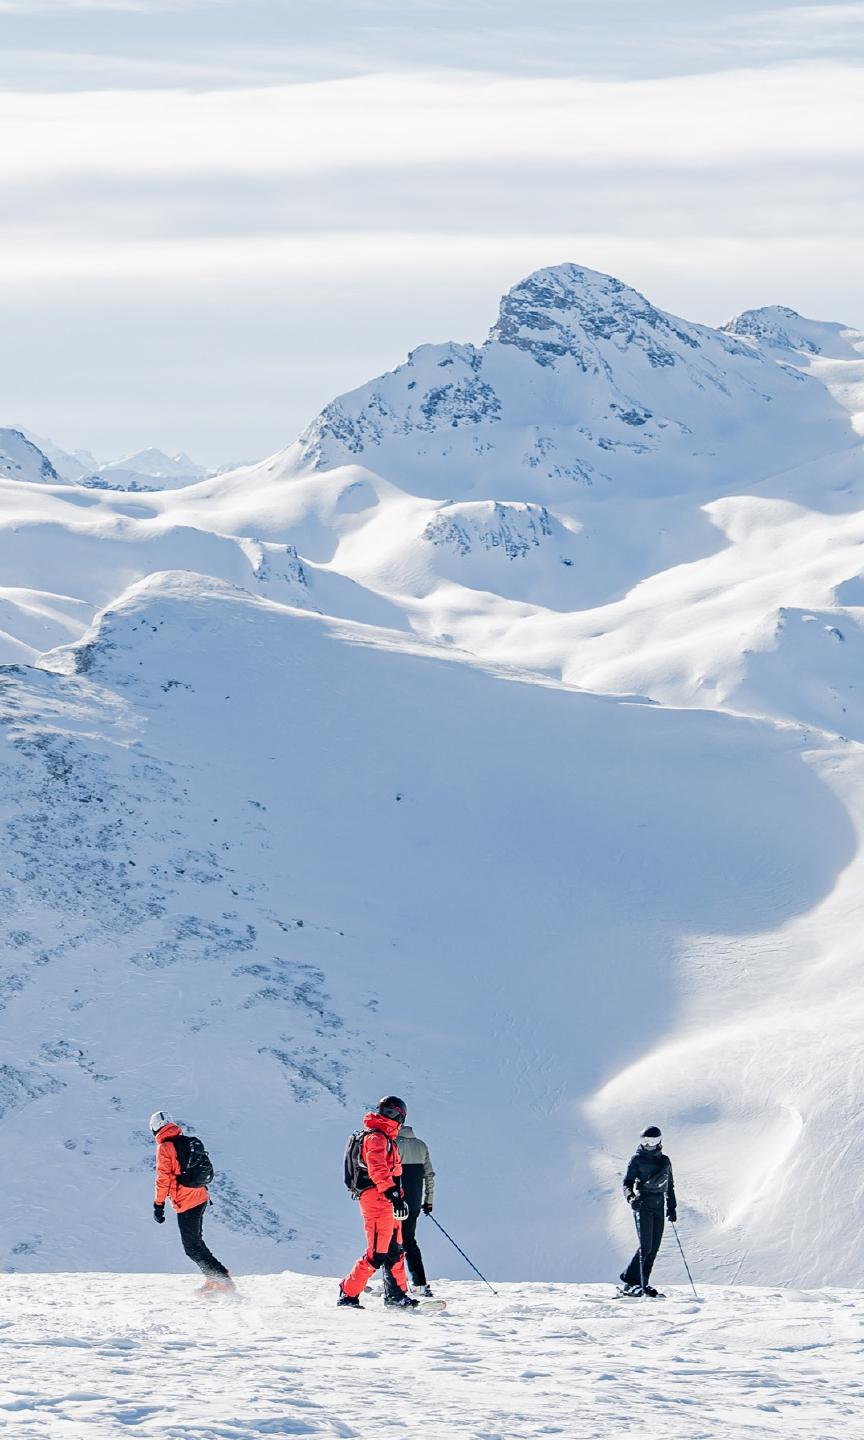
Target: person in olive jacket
x=650 y=1190
x=418 y=1187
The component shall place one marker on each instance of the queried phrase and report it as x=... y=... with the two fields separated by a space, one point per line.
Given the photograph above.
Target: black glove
x=634 y=1202
x=159 y=1213
x=672 y=1215
x=427 y=1209
x=397 y=1200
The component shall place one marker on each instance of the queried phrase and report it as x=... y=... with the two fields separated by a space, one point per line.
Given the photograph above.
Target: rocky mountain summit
x=582 y=382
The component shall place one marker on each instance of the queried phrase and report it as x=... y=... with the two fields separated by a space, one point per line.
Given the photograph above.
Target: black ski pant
x=191 y=1223
x=413 y=1258
x=649 y=1228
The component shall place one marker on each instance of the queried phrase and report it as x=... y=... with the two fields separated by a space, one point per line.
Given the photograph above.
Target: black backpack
x=356 y=1175
x=196 y=1167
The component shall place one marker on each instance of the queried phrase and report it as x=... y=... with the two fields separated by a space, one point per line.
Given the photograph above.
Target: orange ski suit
x=183 y=1197
x=383 y=1231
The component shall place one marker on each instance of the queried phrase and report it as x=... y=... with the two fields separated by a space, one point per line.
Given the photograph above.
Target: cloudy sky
x=216 y=214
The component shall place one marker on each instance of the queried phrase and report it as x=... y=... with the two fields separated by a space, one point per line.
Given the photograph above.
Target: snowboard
x=423 y=1307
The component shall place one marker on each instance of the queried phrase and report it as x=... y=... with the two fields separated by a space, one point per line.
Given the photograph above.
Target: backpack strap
x=364 y=1134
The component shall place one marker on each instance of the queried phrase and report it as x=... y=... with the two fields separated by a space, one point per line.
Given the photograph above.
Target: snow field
x=108 y=1356
x=401 y=838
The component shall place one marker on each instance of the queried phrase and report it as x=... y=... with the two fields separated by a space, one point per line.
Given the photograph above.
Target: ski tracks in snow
x=110 y=1356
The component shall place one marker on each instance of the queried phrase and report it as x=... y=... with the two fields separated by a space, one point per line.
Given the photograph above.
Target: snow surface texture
x=118 y=1356
x=501 y=738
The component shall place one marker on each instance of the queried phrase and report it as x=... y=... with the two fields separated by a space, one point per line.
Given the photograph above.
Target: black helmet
x=392 y=1108
x=651 y=1139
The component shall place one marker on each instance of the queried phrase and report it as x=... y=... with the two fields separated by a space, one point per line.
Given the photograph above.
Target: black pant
x=649 y=1227
x=191 y=1223
x=413 y=1258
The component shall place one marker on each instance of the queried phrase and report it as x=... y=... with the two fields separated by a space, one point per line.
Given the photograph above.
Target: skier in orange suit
x=379 y=1192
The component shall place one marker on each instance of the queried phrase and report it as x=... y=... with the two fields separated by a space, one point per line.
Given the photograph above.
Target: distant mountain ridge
x=148 y=469
x=154 y=465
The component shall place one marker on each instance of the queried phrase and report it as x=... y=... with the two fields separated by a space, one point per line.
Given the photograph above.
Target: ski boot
x=218 y=1285
x=424 y=1290
x=352 y=1300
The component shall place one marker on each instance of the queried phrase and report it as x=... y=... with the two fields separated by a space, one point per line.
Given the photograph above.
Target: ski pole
x=462 y=1253
x=639 y=1235
x=684 y=1258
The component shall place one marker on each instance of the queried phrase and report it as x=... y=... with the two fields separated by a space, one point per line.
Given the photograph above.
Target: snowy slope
x=528 y=681
x=317 y=924
x=120 y=1356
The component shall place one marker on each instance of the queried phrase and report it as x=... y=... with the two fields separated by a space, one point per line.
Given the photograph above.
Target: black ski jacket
x=649 y=1175
x=418 y=1177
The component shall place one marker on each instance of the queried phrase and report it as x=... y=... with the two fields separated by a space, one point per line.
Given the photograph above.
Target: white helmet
x=158 y=1119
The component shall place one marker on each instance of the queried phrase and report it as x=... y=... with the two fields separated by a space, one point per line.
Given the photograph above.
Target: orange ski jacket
x=168 y=1187
x=379 y=1151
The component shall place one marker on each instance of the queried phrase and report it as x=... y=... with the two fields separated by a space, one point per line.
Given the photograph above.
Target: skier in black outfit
x=418 y=1187
x=650 y=1189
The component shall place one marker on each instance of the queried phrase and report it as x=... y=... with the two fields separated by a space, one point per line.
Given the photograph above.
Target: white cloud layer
x=382 y=254
x=376 y=122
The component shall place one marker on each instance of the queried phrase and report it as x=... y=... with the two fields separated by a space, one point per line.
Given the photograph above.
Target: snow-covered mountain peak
x=20 y=459
x=582 y=382
x=777 y=327
x=568 y=310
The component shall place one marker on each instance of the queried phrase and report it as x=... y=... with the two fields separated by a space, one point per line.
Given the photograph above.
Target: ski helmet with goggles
x=158 y=1119
x=651 y=1139
x=392 y=1108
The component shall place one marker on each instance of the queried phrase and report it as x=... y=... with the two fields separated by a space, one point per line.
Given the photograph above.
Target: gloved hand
x=634 y=1202
x=397 y=1200
x=159 y=1213
x=427 y=1209
x=672 y=1215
